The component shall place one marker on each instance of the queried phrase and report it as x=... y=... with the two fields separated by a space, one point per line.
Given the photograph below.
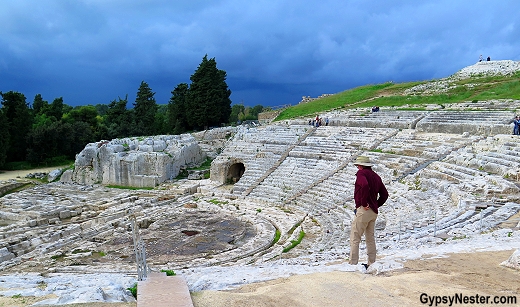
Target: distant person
x=488 y=59
x=367 y=188
x=480 y=58
x=516 y=129
x=326 y=121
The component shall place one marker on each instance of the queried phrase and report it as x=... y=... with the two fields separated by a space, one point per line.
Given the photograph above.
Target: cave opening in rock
x=235 y=172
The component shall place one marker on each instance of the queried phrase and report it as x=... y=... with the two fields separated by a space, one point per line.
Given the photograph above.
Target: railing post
x=140 y=251
x=435 y=224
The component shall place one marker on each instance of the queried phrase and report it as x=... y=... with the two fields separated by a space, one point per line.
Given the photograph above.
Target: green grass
x=277 y=235
x=169 y=272
x=203 y=166
x=218 y=202
x=295 y=242
x=332 y=102
x=58 y=161
x=392 y=95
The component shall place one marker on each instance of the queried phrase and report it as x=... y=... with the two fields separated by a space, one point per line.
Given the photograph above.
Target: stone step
x=159 y=290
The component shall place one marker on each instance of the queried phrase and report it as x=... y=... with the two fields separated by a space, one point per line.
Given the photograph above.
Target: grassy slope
x=391 y=94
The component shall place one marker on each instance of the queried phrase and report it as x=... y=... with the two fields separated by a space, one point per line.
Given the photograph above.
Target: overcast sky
x=274 y=52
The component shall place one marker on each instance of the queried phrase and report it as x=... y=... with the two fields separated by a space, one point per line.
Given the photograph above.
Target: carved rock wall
x=136 y=162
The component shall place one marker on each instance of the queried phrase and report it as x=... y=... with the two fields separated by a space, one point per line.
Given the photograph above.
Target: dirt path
x=469 y=274
x=6 y=175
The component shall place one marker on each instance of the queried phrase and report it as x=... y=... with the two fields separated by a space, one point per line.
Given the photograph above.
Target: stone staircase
x=159 y=290
x=279 y=162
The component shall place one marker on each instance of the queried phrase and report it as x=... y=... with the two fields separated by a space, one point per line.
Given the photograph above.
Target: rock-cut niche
x=235 y=172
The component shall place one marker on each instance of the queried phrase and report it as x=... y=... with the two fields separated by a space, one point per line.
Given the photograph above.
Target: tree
x=19 y=122
x=177 y=119
x=160 y=123
x=145 y=108
x=87 y=114
x=39 y=105
x=101 y=109
x=42 y=142
x=208 y=102
x=4 y=137
x=236 y=109
x=255 y=110
x=56 y=108
x=119 y=119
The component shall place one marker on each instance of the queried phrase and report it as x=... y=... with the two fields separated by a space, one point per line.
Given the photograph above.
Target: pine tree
x=208 y=97
x=145 y=108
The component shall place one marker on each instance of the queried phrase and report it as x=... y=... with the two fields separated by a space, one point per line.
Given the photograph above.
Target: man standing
x=366 y=191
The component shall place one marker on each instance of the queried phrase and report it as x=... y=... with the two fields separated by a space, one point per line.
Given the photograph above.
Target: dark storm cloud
x=274 y=52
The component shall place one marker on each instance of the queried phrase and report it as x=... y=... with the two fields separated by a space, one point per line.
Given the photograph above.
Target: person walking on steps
x=369 y=194
x=516 y=129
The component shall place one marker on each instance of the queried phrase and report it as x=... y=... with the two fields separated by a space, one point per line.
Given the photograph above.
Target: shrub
x=133 y=290
x=169 y=272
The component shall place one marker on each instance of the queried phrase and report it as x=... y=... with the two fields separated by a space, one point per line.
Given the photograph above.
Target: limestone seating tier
x=274 y=134
x=392 y=166
x=424 y=145
x=50 y=234
x=498 y=155
x=259 y=149
x=475 y=180
x=366 y=119
x=474 y=123
x=497 y=104
x=280 y=188
x=291 y=176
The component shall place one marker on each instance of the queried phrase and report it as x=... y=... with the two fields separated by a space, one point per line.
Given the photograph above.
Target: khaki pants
x=364 y=223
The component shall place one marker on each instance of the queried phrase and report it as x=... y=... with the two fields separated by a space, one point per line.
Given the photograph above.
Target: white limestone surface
x=69 y=288
x=84 y=288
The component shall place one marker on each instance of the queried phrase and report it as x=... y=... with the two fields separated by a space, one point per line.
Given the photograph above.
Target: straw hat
x=363 y=160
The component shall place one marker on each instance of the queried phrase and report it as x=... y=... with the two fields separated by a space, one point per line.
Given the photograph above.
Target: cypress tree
x=208 y=97
x=145 y=108
x=177 y=118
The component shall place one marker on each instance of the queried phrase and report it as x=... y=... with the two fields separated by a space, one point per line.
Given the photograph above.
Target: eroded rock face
x=136 y=162
x=513 y=261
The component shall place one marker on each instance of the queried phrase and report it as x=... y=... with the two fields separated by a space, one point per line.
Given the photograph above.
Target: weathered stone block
x=65 y=214
x=144 y=163
x=5 y=254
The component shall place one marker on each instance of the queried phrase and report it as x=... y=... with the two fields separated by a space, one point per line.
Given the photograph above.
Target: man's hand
x=366 y=207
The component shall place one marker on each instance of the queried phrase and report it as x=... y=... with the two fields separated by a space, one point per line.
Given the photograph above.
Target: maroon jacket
x=368 y=186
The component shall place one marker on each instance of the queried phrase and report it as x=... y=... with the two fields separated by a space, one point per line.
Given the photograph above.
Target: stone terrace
x=481 y=123
x=442 y=184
